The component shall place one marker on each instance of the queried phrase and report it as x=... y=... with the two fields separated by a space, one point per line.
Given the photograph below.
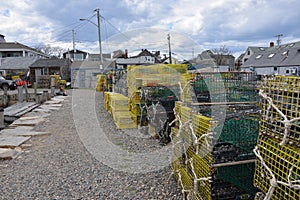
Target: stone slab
x=12 y=141
x=29 y=118
x=54 y=105
x=19 y=128
x=60 y=97
x=37 y=114
x=6 y=153
x=48 y=107
x=16 y=132
x=41 y=110
x=54 y=101
x=28 y=122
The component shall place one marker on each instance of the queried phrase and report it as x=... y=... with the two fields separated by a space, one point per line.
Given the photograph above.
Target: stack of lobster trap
x=152 y=92
x=117 y=105
x=277 y=172
x=214 y=136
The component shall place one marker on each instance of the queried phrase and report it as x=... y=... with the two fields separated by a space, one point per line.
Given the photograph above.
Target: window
x=261 y=48
x=78 y=56
x=45 y=71
x=284 y=53
x=248 y=52
x=275 y=68
x=291 y=44
x=258 y=57
x=271 y=55
x=287 y=71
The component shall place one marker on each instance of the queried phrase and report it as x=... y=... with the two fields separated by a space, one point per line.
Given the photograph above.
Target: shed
x=41 y=70
x=12 y=66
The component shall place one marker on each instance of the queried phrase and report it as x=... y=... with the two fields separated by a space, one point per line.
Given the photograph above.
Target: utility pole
x=99 y=35
x=170 y=54
x=192 y=53
x=73 y=38
x=278 y=39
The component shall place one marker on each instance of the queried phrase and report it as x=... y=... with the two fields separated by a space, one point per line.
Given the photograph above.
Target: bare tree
x=220 y=54
x=49 y=50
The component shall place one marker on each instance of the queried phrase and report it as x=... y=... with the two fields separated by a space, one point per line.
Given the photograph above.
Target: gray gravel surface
x=58 y=166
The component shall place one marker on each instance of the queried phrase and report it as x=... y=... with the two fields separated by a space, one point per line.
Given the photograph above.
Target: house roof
x=283 y=55
x=257 y=49
x=95 y=56
x=50 y=62
x=11 y=63
x=15 y=45
x=90 y=64
x=72 y=51
x=145 y=52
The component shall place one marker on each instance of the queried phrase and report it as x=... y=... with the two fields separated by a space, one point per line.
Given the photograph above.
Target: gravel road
x=59 y=166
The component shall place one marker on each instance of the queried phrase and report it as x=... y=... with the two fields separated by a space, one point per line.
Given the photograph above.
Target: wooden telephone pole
x=170 y=54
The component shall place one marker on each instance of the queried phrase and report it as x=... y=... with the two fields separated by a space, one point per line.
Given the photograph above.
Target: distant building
x=13 y=66
x=41 y=70
x=15 y=49
x=283 y=60
x=145 y=57
x=78 y=55
x=96 y=57
x=75 y=54
x=15 y=58
x=253 y=50
x=84 y=73
x=211 y=61
x=238 y=62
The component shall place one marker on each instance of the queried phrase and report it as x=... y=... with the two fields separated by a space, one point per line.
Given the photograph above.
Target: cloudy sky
x=193 y=25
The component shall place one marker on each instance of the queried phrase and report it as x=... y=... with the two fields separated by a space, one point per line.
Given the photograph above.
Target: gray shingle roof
x=51 y=62
x=283 y=55
x=15 y=45
x=17 y=62
x=89 y=64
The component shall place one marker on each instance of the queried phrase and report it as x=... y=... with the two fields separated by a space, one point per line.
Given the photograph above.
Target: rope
x=196 y=179
x=273 y=181
x=287 y=123
x=181 y=184
x=182 y=89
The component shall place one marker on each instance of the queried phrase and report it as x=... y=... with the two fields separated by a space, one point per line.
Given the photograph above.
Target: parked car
x=7 y=84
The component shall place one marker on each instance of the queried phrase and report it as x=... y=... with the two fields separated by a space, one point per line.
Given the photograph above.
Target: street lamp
x=99 y=34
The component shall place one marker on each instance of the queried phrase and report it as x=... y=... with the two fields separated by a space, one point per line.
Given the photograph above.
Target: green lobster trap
x=225 y=86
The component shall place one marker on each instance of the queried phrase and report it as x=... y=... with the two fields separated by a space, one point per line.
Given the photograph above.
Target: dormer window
x=271 y=55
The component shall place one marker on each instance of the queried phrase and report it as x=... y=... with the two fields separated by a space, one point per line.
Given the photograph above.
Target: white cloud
x=232 y=22
x=24 y=21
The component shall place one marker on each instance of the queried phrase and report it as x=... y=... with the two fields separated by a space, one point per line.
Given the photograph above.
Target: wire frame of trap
x=225 y=86
x=280 y=107
x=195 y=154
x=277 y=172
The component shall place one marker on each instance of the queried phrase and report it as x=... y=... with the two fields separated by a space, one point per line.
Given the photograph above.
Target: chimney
x=2 y=38
x=126 y=53
x=271 y=44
